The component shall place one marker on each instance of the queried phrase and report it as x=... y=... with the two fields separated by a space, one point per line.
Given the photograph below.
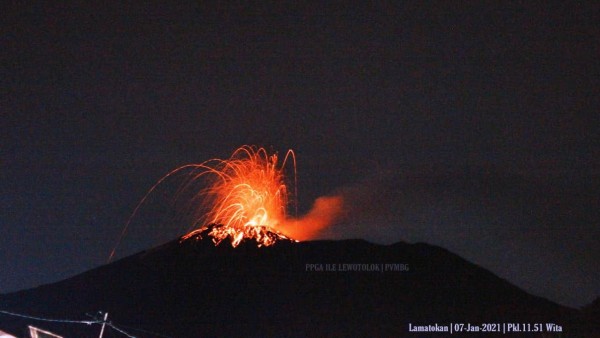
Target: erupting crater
x=263 y=235
x=246 y=197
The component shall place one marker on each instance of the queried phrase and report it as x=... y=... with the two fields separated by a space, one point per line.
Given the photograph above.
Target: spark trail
x=246 y=197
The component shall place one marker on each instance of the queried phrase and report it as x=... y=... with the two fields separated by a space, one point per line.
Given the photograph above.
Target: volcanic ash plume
x=325 y=212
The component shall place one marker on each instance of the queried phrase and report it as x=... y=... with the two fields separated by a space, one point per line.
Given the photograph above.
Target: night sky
x=473 y=126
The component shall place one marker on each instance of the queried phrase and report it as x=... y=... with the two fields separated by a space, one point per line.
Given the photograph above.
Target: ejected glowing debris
x=246 y=195
x=264 y=236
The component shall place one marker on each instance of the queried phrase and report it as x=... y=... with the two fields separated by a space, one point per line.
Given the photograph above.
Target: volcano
x=192 y=288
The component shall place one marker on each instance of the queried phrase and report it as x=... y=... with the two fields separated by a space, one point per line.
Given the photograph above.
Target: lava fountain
x=247 y=197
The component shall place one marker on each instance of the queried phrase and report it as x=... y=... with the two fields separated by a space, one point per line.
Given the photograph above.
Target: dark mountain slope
x=194 y=289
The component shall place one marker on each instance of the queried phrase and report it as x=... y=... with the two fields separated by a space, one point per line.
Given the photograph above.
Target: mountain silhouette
x=192 y=288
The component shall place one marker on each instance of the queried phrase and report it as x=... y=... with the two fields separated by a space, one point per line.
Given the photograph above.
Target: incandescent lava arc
x=247 y=197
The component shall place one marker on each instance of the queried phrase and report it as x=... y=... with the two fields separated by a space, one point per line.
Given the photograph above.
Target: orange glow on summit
x=246 y=197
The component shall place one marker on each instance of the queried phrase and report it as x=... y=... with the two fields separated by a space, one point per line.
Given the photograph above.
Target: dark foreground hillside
x=194 y=289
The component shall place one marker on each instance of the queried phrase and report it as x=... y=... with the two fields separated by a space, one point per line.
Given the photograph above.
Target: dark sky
x=473 y=126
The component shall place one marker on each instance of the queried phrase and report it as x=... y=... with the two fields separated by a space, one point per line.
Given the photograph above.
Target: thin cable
x=88 y=322
x=119 y=330
x=145 y=331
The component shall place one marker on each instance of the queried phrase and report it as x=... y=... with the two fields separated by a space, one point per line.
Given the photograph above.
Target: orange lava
x=246 y=194
x=248 y=197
